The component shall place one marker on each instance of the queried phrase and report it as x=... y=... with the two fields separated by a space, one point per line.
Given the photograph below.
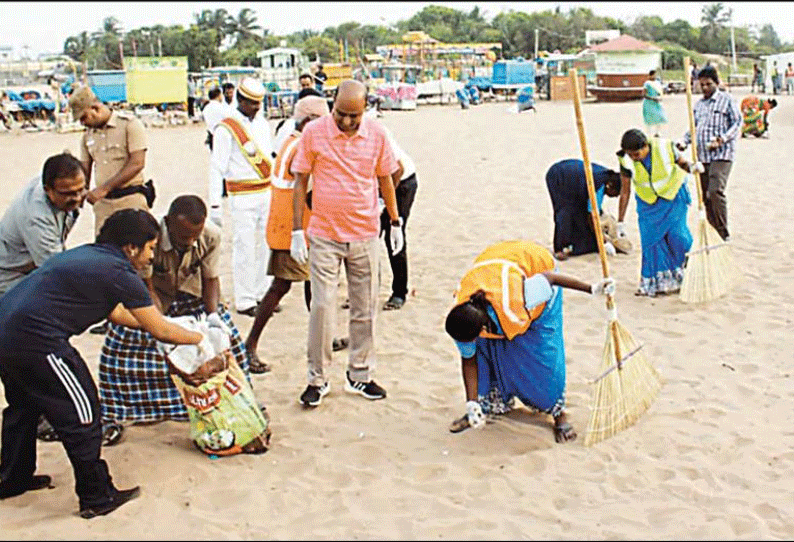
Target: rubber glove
x=609 y=248
x=474 y=414
x=216 y=215
x=621 y=230
x=603 y=287
x=698 y=166
x=681 y=144
x=396 y=237
x=297 y=247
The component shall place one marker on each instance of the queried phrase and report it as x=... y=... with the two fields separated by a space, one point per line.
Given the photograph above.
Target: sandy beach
x=711 y=459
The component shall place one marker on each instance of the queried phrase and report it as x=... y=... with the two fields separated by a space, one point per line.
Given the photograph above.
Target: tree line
x=217 y=37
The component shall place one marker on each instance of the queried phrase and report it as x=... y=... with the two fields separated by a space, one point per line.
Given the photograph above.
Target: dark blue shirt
x=567 y=179
x=69 y=293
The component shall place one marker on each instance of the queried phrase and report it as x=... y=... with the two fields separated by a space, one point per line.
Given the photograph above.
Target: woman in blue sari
x=507 y=325
x=658 y=173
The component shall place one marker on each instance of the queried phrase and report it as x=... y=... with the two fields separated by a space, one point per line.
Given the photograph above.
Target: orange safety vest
x=499 y=272
x=260 y=162
x=279 y=222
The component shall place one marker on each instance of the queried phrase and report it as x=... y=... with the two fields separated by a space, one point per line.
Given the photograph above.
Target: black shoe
x=249 y=312
x=394 y=303
x=370 y=389
x=122 y=496
x=45 y=431
x=100 y=329
x=313 y=395
x=38 y=481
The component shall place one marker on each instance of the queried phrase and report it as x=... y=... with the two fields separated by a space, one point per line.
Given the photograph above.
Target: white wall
x=782 y=61
x=627 y=62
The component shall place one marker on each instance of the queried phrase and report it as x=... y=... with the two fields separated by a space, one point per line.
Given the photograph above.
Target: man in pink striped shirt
x=349 y=158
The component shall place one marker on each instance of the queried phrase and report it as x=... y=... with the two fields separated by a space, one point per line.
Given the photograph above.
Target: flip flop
x=461 y=424
x=46 y=432
x=394 y=303
x=255 y=365
x=563 y=432
x=112 y=433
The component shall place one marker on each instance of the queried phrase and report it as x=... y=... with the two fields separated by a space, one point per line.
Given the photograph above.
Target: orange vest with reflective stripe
x=279 y=222
x=499 y=272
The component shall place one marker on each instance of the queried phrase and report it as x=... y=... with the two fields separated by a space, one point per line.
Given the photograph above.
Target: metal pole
x=733 y=47
x=536 y=43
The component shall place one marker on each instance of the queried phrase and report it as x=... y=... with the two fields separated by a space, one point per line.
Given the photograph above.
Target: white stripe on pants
x=81 y=403
x=361 y=267
x=250 y=253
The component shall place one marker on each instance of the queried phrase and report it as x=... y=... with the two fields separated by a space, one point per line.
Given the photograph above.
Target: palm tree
x=714 y=17
x=218 y=20
x=244 y=26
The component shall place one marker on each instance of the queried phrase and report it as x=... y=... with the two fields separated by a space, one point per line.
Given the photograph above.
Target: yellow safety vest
x=666 y=176
x=499 y=272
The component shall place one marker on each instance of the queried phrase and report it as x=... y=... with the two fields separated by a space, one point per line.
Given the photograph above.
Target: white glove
x=681 y=144
x=609 y=248
x=396 y=237
x=216 y=215
x=297 y=247
x=603 y=287
x=698 y=166
x=621 y=230
x=474 y=414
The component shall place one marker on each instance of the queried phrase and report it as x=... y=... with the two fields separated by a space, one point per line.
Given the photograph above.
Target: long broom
x=628 y=383
x=708 y=267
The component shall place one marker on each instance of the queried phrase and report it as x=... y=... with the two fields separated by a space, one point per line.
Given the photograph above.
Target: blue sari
x=530 y=367
x=665 y=241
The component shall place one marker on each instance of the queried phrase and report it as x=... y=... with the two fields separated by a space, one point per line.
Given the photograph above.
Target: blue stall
x=108 y=85
x=513 y=74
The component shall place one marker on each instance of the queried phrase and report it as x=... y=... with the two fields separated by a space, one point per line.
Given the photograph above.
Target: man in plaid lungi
x=183 y=280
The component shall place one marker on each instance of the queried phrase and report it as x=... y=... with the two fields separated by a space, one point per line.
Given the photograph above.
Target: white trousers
x=250 y=253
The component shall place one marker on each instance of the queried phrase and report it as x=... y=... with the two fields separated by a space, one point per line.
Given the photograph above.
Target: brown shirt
x=171 y=273
x=110 y=146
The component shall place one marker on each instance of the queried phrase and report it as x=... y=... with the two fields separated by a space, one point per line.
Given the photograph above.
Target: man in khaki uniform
x=183 y=280
x=115 y=142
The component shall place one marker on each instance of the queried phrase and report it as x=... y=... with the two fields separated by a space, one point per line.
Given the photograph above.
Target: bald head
x=349 y=105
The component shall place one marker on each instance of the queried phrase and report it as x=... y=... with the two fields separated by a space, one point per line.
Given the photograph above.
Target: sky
x=44 y=26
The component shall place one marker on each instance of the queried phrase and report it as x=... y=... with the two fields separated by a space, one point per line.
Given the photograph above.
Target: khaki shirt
x=171 y=274
x=110 y=146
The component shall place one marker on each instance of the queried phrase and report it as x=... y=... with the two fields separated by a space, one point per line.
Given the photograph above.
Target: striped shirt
x=345 y=171
x=717 y=116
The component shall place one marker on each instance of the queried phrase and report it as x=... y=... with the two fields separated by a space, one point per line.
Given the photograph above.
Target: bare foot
x=563 y=431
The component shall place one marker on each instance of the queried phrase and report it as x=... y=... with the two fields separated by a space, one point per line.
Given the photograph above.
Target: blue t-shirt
x=69 y=293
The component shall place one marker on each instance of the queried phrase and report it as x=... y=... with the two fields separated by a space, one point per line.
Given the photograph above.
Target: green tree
x=218 y=20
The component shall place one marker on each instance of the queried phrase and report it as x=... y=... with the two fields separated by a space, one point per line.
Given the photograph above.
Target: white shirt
x=283 y=133
x=214 y=112
x=227 y=161
x=408 y=164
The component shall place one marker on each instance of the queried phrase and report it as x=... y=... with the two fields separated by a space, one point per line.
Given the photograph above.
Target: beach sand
x=711 y=459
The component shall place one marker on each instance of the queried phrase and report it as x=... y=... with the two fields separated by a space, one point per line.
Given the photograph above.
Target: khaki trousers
x=106 y=207
x=361 y=267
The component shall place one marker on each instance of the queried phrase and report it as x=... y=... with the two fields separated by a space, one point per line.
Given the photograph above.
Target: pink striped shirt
x=345 y=170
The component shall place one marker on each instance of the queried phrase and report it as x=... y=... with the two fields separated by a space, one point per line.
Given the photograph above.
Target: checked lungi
x=134 y=382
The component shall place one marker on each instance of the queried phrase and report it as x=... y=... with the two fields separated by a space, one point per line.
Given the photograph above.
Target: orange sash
x=260 y=162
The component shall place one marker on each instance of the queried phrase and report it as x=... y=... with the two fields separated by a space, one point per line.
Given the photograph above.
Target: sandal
x=340 y=344
x=255 y=365
x=112 y=433
x=46 y=432
x=564 y=432
x=461 y=424
x=394 y=303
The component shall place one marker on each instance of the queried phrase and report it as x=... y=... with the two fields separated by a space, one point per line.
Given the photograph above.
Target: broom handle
x=588 y=173
x=693 y=137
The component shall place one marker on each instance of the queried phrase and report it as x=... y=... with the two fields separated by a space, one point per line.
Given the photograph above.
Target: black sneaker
x=122 y=496
x=370 y=389
x=313 y=395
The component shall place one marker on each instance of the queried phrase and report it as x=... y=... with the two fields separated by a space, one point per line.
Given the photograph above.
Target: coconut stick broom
x=708 y=267
x=628 y=383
